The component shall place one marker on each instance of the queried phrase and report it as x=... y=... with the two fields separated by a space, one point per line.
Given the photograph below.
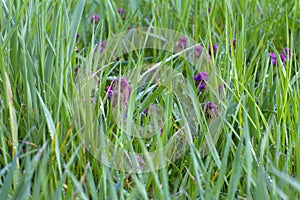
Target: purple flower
x=284 y=56
x=121 y=11
x=208 y=9
x=200 y=80
x=95 y=19
x=145 y=112
x=210 y=109
x=213 y=49
x=234 y=43
x=273 y=58
x=120 y=89
x=198 y=51
x=181 y=44
x=77 y=36
x=102 y=46
x=109 y=91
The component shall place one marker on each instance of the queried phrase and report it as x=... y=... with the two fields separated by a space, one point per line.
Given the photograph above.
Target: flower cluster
x=284 y=56
x=200 y=80
x=210 y=108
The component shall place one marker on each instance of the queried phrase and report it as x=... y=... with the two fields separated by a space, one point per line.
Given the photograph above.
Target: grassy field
x=60 y=98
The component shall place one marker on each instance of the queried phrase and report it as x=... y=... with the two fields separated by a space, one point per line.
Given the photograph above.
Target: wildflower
x=210 y=108
x=284 y=56
x=120 y=88
x=145 y=112
x=95 y=19
x=213 y=50
x=181 y=44
x=121 y=11
x=208 y=9
x=102 y=46
x=234 y=43
x=77 y=36
x=273 y=58
x=200 y=80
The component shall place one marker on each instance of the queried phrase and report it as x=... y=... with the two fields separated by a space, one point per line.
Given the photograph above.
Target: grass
x=43 y=129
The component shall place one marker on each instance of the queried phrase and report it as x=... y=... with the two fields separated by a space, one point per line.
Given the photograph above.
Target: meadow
x=149 y=99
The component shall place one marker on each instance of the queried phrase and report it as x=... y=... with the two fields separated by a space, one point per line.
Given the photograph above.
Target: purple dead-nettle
x=95 y=19
x=200 y=80
x=120 y=89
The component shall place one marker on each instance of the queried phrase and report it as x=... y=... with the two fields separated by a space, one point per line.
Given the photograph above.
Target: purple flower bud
x=77 y=36
x=102 y=46
x=95 y=19
x=109 y=91
x=121 y=11
x=145 y=112
x=213 y=49
x=234 y=42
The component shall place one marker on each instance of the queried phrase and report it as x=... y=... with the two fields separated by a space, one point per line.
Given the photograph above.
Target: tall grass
x=43 y=155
